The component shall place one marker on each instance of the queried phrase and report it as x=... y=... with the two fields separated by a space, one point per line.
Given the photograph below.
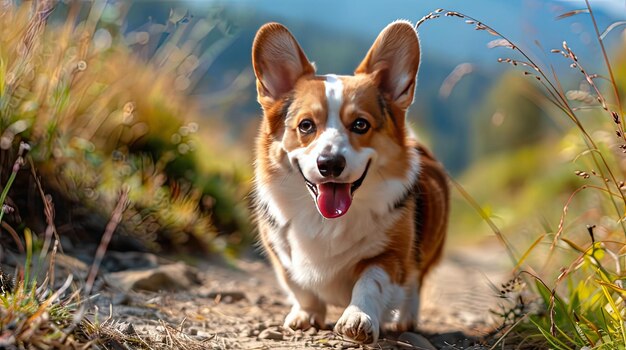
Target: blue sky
x=523 y=21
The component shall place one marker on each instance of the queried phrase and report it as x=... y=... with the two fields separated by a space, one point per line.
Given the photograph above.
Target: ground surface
x=143 y=301
x=240 y=306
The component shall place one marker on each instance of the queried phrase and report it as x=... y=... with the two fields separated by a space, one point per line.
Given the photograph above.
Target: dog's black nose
x=330 y=164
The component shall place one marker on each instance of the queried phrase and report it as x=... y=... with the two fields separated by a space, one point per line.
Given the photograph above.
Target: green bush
x=100 y=119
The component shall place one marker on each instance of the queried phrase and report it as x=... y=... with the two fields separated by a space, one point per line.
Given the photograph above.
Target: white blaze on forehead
x=334 y=139
x=334 y=99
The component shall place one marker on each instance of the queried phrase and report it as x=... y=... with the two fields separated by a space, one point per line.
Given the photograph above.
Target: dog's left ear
x=394 y=60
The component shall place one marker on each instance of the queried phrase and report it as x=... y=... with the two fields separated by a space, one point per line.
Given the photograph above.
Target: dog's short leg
x=371 y=295
x=307 y=310
x=409 y=311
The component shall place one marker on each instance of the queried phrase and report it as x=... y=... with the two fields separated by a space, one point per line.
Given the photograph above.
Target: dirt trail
x=242 y=307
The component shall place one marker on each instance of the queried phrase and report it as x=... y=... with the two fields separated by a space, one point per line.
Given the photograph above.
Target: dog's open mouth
x=333 y=199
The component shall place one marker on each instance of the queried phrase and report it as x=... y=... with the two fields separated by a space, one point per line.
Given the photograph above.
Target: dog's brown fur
x=415 y=240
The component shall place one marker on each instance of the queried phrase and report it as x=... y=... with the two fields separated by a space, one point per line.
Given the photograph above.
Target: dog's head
x=335 y=130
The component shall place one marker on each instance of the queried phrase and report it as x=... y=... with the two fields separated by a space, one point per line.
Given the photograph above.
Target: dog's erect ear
x=394 y=60
x=278 y=62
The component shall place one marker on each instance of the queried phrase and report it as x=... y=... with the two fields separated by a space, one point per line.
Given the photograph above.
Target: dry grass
x=112 y=139
x=98 y=117
x=578 y=290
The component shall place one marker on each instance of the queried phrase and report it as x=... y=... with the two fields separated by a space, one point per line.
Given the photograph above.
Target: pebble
x=297 y=336
x=345 y=345
x=227 y=297
x=261 y=300
x=121 y=299
x=176 y=276
x=193 y=331
x=129 y=330
x=452 y=338
x=333 y=343
x=416 y=340
x=271 y=335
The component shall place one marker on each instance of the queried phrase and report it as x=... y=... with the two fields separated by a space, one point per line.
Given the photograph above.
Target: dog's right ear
x=278 y=62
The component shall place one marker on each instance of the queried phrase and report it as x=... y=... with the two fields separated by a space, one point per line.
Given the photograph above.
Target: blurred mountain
x=448 y=38
x=337 y=34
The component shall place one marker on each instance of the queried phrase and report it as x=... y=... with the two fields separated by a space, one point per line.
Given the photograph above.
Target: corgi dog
x=351 y=209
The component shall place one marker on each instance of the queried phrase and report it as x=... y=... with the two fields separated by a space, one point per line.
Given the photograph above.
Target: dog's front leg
x=371 y=295
x=307 y=310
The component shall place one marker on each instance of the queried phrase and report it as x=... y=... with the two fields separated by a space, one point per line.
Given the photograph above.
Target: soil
x=144 y=301
x=240 y=306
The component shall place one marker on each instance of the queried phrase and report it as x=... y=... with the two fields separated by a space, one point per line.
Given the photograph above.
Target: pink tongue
x=333 y=200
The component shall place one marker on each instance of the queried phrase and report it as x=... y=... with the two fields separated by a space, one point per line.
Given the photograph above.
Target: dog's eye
x=360 y=126
x=306 y=126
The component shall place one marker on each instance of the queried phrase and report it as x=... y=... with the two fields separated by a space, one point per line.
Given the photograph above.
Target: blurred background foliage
x=103 y=110
x=158 y=96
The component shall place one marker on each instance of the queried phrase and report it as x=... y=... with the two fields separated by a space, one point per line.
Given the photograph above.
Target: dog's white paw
x=300 y=319
x=358 y=326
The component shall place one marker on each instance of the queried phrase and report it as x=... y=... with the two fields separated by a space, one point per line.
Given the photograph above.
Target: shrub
x=99 y=118
x=575 y=268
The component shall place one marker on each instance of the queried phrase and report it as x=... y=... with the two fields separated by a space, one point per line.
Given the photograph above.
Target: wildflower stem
x=116 y=218
x=606 y=61
x=492 y=225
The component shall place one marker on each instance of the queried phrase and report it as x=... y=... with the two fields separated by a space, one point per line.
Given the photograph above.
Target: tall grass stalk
x=24 y=147
x=588 y=310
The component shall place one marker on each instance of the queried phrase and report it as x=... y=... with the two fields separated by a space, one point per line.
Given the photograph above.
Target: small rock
x=271 y=335
x=120 y=261
x=193 y=331
x=269 y=324
x=76 y=266
x=416 y=340
x=129 y=330
x=227 y=297
x=451 y=338
x=121 y=299
x=156 y=300
x=177 y=276
x=333 y=343
x=247 y=333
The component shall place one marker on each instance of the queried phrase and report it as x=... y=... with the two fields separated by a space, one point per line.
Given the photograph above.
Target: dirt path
x=242 y=307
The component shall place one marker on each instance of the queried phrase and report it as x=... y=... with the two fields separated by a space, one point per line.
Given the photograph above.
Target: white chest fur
x=319 y=254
